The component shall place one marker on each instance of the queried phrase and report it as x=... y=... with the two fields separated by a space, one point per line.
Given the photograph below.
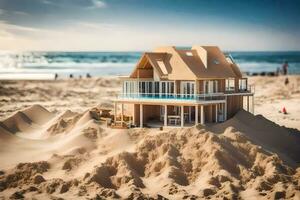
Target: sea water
x=43 y=65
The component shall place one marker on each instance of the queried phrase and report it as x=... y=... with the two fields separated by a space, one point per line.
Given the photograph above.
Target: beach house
x=183 y=87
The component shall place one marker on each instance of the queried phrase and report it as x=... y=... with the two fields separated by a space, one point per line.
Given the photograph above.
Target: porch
x=174 y=115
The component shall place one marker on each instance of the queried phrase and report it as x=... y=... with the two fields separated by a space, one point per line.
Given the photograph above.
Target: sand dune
x=277 y=139
x=247 y=157
x=27 y=120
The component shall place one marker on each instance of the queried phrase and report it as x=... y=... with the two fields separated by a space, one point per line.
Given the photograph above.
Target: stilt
x=253 y=104
x=196 y=114
x=211 y=113
x=225 y=109
x=133 y=115
x=166 y=116
x=248 y=103
x=190 y=114
x=202 y=115
x=122 y=113
x=115 y=112
x=216 y=113
x=141 y=115
x=182 y=116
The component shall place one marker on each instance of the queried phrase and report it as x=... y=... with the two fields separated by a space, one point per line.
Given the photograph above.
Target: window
x=210 y=86
x=243 y=84
x=229 y=85
x=167 y=87
x=216 y=61
x=187 y=88
x=129 y=87
x=162 y=66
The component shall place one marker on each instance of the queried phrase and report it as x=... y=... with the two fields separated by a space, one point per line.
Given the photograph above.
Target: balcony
x=189 y=98
x=250 y=89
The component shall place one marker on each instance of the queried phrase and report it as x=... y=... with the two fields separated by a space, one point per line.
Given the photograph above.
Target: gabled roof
x=189 y=64
x=154 y=60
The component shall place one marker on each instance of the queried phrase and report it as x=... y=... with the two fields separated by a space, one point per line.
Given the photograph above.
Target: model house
x=182 y=87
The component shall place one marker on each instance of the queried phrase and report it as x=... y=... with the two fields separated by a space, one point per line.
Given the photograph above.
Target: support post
x=253 y=104
x=122 y=113
x=175 y=89
x=202 y=115
x=216 y=113
x=115 y=112
x=196 y=114
x=225 y=109
x=248 y=103
x=182 y=116
x=190 y=114
x=211 y=113
x=166 y=116
x=133 y=115
x=141 y=116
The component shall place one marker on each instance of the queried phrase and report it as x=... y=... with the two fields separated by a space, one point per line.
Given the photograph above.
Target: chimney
x=202 y=53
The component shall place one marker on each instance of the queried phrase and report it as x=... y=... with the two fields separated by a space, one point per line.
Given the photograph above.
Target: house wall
x=136 y=110
x=201 y=83
x=236 y=84
x=151 y=112
x=234 y=104
x=210 y=113
x=155 y=75
x=145 y=73
x=221 y=85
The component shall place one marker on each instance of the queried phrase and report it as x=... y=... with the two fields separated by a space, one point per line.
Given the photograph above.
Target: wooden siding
x=234 y=104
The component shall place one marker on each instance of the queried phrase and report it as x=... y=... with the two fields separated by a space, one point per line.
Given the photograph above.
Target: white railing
x=167 y=96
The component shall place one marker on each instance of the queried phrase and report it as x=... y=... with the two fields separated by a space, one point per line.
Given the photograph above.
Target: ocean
x=43 y=65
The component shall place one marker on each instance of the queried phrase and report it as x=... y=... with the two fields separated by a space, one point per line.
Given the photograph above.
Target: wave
x=115 y=63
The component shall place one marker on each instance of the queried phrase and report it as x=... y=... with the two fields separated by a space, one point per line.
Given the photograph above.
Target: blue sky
x=117 y=25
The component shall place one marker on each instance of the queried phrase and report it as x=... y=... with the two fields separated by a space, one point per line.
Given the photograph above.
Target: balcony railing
x=248 y=89
x=167 y=96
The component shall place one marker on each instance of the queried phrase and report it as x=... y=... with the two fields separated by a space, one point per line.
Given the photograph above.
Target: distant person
x=277 y=71
x=55 y=76
x=88 y=75
x=285 y=68
x=71 y=75
x=80 y=76
x=286 y=81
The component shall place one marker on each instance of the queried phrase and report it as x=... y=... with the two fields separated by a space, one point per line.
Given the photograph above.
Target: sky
x=137 y=25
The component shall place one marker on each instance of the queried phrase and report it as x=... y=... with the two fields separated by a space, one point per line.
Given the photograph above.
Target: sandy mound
x=245 y=157
x=269 y=135
x=88 y=116
x=26 y=120
x=63 y=123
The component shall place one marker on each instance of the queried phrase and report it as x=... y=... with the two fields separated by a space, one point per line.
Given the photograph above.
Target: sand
x=57 y=146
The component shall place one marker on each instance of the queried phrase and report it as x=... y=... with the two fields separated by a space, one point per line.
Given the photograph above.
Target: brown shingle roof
x=196 y=63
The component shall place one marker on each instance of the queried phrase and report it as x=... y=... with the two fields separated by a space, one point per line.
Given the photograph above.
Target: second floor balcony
x=171 y=97
x=189 y=91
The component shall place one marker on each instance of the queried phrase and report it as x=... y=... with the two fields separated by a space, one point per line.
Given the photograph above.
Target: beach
x=271 y=95
x=54 y=144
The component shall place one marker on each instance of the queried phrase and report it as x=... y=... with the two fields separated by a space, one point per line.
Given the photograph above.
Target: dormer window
x=162 y=66
x=216 y=62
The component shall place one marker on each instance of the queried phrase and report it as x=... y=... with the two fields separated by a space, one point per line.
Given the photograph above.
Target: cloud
x=20 y=13
x=88 y=36
x=98 y=4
